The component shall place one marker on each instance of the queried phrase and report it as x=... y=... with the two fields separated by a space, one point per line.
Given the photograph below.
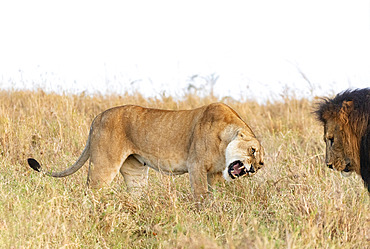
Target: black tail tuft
x=34 y=164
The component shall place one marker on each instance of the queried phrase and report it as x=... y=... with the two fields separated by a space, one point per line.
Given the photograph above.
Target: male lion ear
x=347 y=106
x=345 y=111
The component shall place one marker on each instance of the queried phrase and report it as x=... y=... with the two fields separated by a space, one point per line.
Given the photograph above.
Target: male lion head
x=347 y=132
x=244 y=156
x=339 y=156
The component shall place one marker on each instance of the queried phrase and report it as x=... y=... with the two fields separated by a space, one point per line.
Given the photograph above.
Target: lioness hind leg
x=135 y=174
x=102 y=170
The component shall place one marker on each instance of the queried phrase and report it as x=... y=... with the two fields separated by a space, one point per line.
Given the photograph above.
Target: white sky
x=255 y=47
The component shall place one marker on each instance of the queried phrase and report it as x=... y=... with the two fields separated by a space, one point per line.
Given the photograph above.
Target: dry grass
x=293 y=202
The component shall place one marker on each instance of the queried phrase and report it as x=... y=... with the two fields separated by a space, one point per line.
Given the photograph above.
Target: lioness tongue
x=237 y=169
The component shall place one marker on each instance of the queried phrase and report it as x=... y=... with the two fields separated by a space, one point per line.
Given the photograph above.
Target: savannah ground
x=293 y=202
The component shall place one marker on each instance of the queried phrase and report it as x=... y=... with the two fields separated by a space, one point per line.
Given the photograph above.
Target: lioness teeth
x=242 y=167
x=208 y=140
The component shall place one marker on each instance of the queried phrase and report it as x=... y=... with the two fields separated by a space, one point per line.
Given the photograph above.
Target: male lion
x=346 y=120
x=206 y=142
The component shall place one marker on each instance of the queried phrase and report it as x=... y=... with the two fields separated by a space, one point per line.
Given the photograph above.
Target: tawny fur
x=129 y=139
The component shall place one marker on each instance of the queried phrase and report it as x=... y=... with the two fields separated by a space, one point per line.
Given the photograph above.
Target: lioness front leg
x=198 y=182
x=212 y=179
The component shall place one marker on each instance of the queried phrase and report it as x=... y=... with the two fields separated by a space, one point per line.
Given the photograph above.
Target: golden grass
x=293 y=202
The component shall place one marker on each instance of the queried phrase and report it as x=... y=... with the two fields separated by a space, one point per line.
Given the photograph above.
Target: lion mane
x=351 y=111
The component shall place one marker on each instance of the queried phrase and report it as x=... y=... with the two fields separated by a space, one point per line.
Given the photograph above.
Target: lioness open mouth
x=237 y=169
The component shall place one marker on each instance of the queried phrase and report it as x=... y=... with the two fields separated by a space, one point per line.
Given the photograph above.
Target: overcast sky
x=256 y=48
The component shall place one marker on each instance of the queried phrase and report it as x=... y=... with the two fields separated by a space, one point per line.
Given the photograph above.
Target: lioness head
x=244 y=156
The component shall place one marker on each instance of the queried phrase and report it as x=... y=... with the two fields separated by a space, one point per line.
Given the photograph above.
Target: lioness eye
x=253 y=150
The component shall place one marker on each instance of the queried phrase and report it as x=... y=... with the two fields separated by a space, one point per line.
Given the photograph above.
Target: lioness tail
x=35 y=165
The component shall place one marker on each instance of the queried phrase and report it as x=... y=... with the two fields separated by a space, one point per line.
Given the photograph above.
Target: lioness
x=205 y=142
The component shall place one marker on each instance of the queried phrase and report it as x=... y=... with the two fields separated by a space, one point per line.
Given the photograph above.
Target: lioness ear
x=345 y=111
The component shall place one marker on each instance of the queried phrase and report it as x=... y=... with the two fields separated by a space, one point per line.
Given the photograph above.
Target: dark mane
x=355 y=123
x=360 y=98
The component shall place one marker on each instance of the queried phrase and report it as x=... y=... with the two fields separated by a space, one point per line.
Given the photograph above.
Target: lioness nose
x=330 y=166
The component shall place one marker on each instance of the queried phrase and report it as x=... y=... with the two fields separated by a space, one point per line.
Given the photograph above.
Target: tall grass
x=293 y=202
